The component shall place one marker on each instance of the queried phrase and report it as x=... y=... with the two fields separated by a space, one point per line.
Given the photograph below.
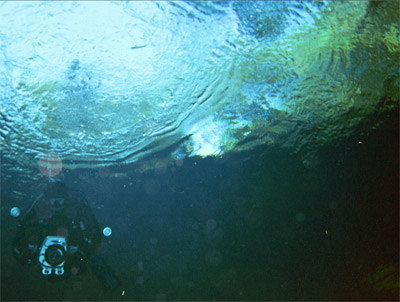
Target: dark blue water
x=257 y=225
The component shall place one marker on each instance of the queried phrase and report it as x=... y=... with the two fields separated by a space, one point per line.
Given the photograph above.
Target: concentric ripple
x=100 y=83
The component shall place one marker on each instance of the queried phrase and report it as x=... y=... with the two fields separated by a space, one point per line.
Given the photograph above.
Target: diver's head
x=56 y=193
x=56 y=189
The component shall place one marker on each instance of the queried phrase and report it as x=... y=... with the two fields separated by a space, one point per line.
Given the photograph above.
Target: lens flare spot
x=50 y=165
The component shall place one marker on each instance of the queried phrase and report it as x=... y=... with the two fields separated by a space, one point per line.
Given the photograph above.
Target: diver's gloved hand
x=26 y=255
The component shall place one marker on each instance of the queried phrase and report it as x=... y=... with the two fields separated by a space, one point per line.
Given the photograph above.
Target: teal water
x=238 y=150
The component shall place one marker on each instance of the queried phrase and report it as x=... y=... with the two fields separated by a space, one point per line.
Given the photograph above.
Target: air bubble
x=107 y=231
x=15 y=212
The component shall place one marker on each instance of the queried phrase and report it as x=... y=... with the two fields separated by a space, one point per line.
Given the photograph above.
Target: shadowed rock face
x=195 y=79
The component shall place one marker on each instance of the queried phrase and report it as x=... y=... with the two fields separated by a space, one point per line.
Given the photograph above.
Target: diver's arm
x=90 y=235
x=28 y=213
x=94 y=230
x=26 y=241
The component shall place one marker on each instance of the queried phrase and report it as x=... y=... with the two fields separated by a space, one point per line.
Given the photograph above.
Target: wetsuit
x=74 y=221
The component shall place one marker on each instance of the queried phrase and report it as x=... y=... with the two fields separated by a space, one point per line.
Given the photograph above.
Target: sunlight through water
x=100 y=83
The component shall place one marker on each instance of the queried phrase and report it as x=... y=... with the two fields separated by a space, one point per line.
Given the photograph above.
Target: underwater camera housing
x=52 y=255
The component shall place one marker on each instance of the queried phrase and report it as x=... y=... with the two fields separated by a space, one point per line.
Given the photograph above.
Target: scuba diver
x=59 y=235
